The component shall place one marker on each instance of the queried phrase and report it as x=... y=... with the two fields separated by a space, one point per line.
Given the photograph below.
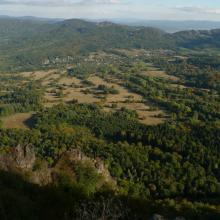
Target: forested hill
x=28 y=43
x=198 y=39
x=74 y=33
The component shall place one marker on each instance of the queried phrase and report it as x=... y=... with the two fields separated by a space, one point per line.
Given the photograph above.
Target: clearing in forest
x=129 y=100
x=37 y=74
x=18 y=120
x=73 y=89
x=160 y=74
x=62 y=88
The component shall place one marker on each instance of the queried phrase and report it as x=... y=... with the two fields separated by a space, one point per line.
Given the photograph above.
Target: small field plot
x=69 y=81
x=160 y=74
x=36 y=75
x=129 y=100
x=71 y=94
x=51 y=78
x=72 y=89
x=132 y=52
x=122 y=95
x=18 y=120
x=51 y=95
x=145 y=115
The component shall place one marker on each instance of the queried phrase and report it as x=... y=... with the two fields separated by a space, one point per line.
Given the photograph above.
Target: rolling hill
x=28 y=42
x=198 y=38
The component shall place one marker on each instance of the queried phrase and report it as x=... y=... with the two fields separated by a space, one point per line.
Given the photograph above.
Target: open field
x=123 y=94
x=129 y=100
x=50 y=78
x=37 y=74
x=62 y=88
x=18 y=120
x=132 y=52
x=44 y=76
x=73 y=89
x=77 y=94
x=69 y=81
x=159 y=74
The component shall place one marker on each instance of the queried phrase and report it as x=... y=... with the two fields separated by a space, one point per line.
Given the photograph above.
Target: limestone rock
x=19 y=158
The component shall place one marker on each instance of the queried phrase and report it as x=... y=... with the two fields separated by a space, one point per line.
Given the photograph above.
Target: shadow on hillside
x=30 y=122
x=21 y=200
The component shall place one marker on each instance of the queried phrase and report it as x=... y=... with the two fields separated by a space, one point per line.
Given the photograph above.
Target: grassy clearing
x=160 y=74
x=79 y=95
x=69 y=81
x=74 y=89
x=52 y=77
x=37 y=74
x=123 y=94
x=18 y=120
x=132 y=52
x=129 y=100
x=62 y=88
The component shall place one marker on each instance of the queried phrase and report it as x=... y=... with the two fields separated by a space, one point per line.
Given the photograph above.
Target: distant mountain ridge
x=171 y=26
x=32 y=18
x=29 y=41
x=198 y=39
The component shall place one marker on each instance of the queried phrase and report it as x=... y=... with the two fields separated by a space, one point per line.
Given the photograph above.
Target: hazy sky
x=139 y=9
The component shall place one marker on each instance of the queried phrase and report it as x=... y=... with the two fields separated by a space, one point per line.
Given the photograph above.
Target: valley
x=109 y=92
x=107 y=121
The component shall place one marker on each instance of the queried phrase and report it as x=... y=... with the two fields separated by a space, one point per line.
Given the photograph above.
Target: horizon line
x=114 y=18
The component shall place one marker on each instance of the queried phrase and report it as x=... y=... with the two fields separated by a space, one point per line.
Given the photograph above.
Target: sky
x=120 y=9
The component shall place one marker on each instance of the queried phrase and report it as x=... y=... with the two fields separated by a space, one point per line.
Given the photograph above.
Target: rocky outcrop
x=18 y=158
x=76 y=155
x=23 y=160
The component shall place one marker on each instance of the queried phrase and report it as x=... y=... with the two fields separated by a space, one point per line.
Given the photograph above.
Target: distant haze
x=171 y=26
x=96 y=9
x=165 y=25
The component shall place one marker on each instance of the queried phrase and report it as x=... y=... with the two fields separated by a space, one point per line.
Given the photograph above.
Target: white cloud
x=59 y=2
x=126 y=9
x=199 y=10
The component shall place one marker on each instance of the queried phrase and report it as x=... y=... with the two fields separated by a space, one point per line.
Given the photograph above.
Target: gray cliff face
x=19 y=158
x=73 y=156
x=23 y=160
